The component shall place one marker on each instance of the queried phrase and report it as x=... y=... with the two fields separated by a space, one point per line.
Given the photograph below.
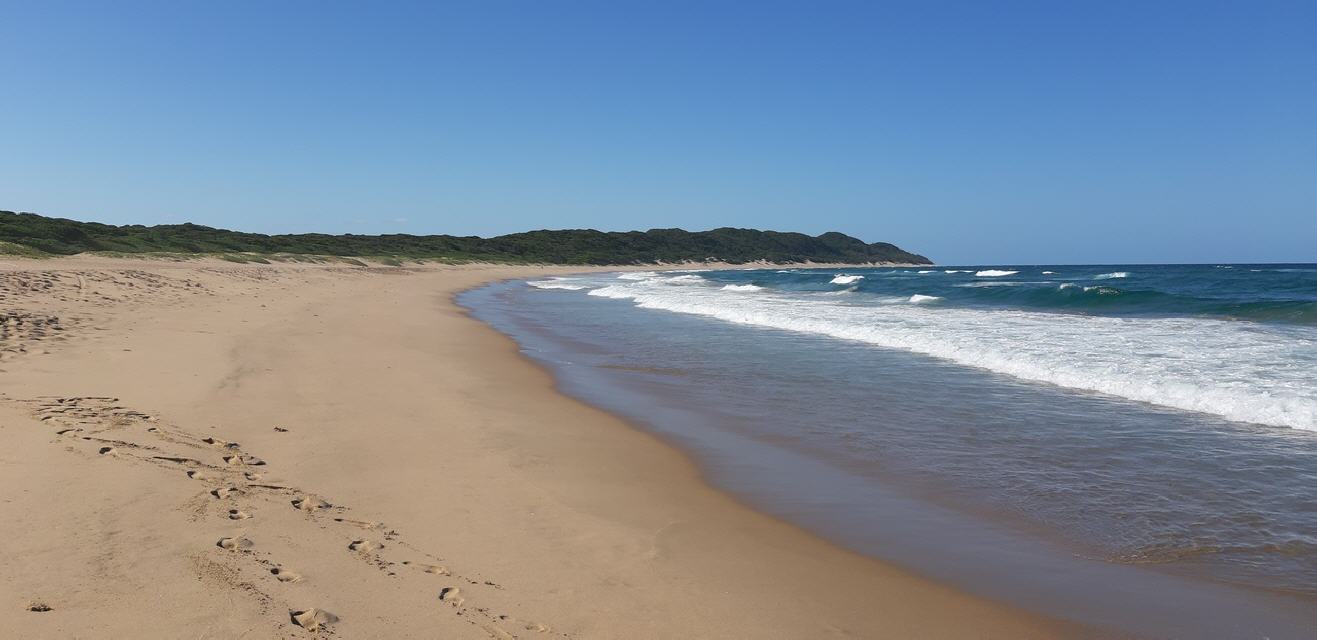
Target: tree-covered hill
x=576 y=246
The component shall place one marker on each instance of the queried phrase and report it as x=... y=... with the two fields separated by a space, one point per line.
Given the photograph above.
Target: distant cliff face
x=574 y=246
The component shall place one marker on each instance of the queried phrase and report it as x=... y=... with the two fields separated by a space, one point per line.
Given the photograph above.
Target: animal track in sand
x=235 y=514
x=364 y=546
x=312 y=619
x=235 y=544
x=284 y=575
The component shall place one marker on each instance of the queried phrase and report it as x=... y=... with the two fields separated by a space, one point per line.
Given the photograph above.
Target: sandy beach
x=205 y=449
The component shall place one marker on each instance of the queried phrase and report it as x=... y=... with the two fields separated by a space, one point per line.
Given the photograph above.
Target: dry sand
x=208 y=450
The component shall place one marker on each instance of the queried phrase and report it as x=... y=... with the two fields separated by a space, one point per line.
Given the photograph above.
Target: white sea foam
x=686 y=279
x=994 y=273
x=742 y=287
x=636 y=275
x=1048 y=273
x=558 y=283
x=956 y=271
x=1240 y=371
x=842 y=278
x=1113 y=274
x=1106 y=291
x=928 y=271
x=920 y=298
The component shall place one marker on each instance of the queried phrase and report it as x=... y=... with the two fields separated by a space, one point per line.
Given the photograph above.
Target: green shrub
x=575 y=246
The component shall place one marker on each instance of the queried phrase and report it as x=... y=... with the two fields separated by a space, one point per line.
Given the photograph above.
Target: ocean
x=1131 y=447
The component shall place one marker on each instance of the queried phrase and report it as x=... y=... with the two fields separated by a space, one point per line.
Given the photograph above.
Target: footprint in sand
x=365 y=546
x=451 y=595
x=235 y=544
x=216 y=442
x=251 y=475
x=235 y=514
x=312 y=619
x=428 y=568
x=310 y=504
x=224 y=492
x=284 y=575
x=251 y=461
x=197 y=475
x=38 y=607
x=105 y=450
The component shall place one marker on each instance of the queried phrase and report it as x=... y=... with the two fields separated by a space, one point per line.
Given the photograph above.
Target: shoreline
x=679 y=374
x=399 y=408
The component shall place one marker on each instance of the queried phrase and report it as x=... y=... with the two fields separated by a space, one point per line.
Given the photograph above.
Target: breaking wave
x=1207 y=365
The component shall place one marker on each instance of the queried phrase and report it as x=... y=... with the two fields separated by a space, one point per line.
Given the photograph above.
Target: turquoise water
x=1237 y=341
x=1260 y=293
x=1145 y=464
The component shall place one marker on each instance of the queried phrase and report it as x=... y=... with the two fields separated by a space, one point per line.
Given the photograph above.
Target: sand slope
x=210 y=450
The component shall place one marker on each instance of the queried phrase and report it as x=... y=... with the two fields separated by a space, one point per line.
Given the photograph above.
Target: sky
x=971 y=132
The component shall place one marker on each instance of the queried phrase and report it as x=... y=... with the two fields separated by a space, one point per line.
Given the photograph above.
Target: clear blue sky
x=973 y=132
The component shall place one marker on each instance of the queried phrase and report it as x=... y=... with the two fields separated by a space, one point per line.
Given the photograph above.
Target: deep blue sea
x=1131 y=447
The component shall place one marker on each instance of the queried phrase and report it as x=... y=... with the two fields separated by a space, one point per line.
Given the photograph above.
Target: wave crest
x=1220 y=367
x=557 y=283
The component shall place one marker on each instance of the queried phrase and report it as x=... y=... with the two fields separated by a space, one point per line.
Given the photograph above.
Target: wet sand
x=205 y=449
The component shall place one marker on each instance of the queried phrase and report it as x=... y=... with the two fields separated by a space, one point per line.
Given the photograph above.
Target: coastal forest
x=32 y=234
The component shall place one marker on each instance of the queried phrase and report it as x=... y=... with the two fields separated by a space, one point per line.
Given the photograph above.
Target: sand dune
x=200 y=449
